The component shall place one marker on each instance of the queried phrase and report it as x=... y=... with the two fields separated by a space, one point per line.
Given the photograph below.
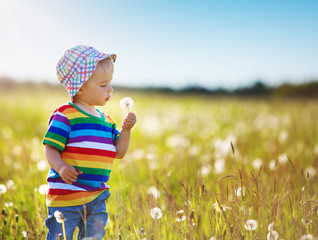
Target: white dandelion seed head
x=250 y=225
x=271 y=226
x=8 y=204
x=43 y=189
x=205 y=170
x=283 y=135
x=213 y=238
x=282 y=159
x=59 y=216
x=223 y=207
x=180 y=212
x=25 y=233
x=222 y=147
x=181 y=217
x=10 y=184
x=219 y=166
x=154 y=192
x=3 y=189
x=306 y=237
x=257 y=163
x=156 y=213
x=272 y=235
x=239 y=192
x=42 y=165
x=310 y=172
x=272 y=164
x=126 y=103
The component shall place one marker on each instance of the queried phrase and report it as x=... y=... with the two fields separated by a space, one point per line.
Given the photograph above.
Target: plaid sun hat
x=76 y=66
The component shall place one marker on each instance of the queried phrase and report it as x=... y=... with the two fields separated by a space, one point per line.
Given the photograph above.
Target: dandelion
x=306 y=237
x=272 y=164
x=310 y=172
x=8 y=204
x=219 y=166
x=272 y=235
x=257 y=163
x=283 y=135
x=25 y=234
x=205 y=170
x=239 y=192
x=156 y=213
x=43 y=189
x=181 y=217
x=154 y=192
x=250 y=225
x=10 y=184
x=3 y=189
x=59 y=216
x=223 y=207
x=42 y=165
x=282 y=159
x=271 y=226
x=126 y=103
x=222 y=147
x=60 y=219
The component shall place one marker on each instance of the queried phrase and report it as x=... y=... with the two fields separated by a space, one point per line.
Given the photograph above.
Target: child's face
x=97 y=89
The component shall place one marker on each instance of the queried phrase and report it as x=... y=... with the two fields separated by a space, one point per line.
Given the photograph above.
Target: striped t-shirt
x=87 y=143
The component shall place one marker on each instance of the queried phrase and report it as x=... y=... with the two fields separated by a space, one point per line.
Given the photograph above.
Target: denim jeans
x=92 y=226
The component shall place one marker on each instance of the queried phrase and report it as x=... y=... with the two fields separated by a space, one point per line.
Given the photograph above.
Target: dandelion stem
x=63 y=226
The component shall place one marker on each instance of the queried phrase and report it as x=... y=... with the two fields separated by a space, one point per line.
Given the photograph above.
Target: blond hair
x=107 y=64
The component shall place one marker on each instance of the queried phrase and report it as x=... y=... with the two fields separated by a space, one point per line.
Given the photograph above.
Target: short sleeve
x=58 y=131
x=115 y=132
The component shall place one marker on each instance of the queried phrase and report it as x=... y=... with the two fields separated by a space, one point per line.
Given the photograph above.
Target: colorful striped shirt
x=87 y=143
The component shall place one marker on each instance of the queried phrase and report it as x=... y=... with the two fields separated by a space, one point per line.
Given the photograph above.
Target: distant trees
x=257 y=89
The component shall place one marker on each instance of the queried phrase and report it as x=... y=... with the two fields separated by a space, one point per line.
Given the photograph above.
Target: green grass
x=197 y=151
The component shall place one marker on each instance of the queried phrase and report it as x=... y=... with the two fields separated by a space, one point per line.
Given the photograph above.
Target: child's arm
x=122 y=142
x=67 y=172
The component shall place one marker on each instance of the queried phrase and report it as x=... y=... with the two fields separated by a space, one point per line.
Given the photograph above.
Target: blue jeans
x=96 y=219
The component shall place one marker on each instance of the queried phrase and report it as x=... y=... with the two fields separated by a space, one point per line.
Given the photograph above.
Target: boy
x=81 y=143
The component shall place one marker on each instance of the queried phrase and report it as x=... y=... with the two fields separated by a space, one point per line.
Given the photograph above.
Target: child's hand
x=129 y=121
x=69 y=174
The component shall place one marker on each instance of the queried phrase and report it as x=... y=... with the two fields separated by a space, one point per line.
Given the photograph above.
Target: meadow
x=198 y=167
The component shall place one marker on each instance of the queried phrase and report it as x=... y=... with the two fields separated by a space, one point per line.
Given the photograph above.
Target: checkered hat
x=77 y=65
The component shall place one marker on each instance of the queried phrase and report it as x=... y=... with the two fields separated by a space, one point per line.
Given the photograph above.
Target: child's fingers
x=69 y=174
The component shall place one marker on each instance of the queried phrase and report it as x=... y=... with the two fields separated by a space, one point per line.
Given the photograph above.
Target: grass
x=222 y=161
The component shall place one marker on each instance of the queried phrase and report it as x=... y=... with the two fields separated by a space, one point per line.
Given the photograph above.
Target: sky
x=229 y=44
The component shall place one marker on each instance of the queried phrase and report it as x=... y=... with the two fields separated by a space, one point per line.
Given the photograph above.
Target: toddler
x=81 y=144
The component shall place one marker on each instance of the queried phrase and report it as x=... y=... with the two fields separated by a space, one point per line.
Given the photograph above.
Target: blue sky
x=166 y=43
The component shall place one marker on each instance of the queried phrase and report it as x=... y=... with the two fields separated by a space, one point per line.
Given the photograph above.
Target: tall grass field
x=198 y=167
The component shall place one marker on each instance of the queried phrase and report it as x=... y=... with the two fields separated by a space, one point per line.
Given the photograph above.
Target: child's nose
x=110 y=89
